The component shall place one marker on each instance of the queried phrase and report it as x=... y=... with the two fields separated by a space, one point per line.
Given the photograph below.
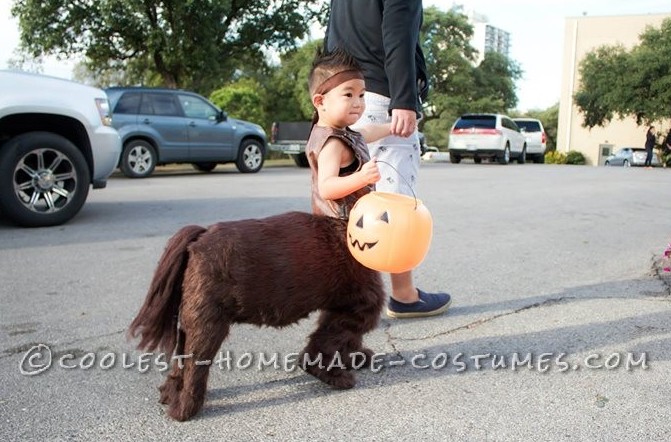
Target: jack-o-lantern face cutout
x=389 y=232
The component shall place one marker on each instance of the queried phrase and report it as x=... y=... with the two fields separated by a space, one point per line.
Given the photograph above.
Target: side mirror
x=222 y=116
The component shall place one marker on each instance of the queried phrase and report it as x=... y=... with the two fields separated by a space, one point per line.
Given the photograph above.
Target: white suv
x=493 y=136
x=56 y=141
x=536 y=138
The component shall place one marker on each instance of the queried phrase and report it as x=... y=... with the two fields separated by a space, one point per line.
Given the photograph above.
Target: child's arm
x=332 y=186
x=373 y=132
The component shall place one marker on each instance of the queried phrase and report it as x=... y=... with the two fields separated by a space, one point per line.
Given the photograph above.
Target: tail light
x=544 y=138
x=273 y=132
x=476 y=130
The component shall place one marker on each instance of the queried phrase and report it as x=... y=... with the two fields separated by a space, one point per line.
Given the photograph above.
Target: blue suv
x=161 y=126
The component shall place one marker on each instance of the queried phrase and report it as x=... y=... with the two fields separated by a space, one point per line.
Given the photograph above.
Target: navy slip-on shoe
x=429 y=304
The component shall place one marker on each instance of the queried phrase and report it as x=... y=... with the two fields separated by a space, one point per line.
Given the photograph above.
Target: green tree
x=599 y=91
x=288 y=97
x=495 y=79
x=195 y=44
x=445 y=38
x=615 y=82
x=459 y=86
x=243 y=99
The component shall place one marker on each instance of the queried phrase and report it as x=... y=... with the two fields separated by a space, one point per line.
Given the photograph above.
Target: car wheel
x=477 y=160
x=626 y=163
x=455 y=159
x=522 y=158
x=204 y=167
x=504 y=158
x=301 y=160
x=250 y=156
x=138 y=159
x=607 y=163
x=44 y=179
x=539 y=158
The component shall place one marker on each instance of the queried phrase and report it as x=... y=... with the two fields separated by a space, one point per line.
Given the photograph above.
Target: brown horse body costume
x=269 y=272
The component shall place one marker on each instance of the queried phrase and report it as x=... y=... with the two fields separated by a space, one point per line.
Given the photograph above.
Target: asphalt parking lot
x=560 y=328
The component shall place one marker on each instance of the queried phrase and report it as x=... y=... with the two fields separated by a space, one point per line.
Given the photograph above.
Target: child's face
x=344 y=104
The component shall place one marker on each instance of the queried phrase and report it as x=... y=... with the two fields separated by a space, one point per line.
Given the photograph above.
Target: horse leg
x=319 y=357
x=173 y=382
x=204 y=336
x=362 y=320
x=338 y=337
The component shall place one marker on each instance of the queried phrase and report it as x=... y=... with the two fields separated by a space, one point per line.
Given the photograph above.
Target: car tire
x=454 y=159
x=522 y=158
x=626 y=163
x=477 y=160
x=539 y=158
x=250 y=156
x=607 y=163
x=138 y=159
x=504 y=158
x=44 y=179
x=301 y=160
x=204 y=167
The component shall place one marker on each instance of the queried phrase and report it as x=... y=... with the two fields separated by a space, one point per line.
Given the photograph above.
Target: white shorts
x=403 y=154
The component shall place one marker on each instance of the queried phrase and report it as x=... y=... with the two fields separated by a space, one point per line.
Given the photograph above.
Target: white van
x=493 y=136
x=536 y=138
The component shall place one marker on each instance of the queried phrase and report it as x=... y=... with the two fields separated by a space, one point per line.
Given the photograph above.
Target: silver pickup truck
x=56 y=141
x=290 y=138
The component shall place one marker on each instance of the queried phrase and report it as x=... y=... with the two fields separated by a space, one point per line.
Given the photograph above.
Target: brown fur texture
x=268 y=272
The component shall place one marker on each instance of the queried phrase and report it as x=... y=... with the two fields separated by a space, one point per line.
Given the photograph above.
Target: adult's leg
x=398 y=161
x=648 y=157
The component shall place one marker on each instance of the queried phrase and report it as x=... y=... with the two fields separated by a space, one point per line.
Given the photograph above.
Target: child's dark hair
x=327 y=64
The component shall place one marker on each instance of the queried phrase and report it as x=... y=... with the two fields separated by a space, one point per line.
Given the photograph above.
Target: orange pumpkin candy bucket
x=389 y=232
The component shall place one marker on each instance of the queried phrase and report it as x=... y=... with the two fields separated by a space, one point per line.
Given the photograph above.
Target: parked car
x=423 y=147
x=162 y=126
x=631 y=156
x=492 y=136
x=536 y=138
x=56 y=141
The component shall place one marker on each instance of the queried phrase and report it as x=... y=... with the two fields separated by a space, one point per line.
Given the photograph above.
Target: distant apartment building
x=486 y=38
x=582 y=35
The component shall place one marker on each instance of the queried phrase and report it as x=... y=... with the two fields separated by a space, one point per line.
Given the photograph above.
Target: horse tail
x=157 y=320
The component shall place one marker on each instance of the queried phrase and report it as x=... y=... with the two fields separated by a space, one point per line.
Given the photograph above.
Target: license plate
x=287 y=148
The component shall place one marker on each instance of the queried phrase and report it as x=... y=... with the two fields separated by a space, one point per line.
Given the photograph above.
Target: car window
x=160 y=104
x=129 y=103
x=509 y=124
x=195 y=107
x=482 y=121
x=528 y=126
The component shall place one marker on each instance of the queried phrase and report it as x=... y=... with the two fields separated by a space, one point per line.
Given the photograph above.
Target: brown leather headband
x=338 y=79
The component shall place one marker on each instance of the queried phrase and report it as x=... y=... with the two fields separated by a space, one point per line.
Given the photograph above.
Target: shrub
x=575 y=157
x=243 y=99
x=554 y=157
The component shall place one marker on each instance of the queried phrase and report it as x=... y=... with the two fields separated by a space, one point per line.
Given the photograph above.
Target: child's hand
x=370 y=172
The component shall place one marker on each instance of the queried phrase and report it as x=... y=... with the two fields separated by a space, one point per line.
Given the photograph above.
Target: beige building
x=582 y=35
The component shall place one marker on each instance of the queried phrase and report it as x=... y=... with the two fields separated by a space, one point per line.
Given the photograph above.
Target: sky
x=536 y=33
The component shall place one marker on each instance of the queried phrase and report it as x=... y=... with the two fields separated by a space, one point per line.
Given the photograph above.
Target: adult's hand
x=403 y=122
